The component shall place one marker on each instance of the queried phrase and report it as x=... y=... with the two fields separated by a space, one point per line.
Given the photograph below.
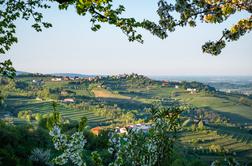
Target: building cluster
x=127 y=76
x=124 y=130
x=58 y=79
x=137 y=127
x=166 y=83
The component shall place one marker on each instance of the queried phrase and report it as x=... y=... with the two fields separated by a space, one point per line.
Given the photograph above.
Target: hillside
x=125 y=99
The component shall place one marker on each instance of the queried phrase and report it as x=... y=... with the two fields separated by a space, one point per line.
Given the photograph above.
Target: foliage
x=6 y=68
x=44 y=93
x=54 y=119
x=10 y=11
x=17 y=142
x=1 y=99
x=171 y=15
x=27 y=115
x=215 y=148
x=228 y=161
x=22 y=85
x=83 y=123
x=40 y=157
x=96 y=159
x=197 y=85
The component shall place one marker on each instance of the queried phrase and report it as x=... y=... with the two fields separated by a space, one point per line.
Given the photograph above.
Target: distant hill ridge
x=72 y=75
x=18 y=73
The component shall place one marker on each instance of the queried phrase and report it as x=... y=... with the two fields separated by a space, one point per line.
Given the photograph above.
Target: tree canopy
x=179 y=13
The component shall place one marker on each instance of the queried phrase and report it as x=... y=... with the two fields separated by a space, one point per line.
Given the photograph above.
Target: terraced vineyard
x=201 y=141
x=240 y=135
x=20 y=104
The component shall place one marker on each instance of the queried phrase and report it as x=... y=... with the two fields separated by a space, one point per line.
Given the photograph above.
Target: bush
x=25 y=115
x=38 y=117
x=215 y=148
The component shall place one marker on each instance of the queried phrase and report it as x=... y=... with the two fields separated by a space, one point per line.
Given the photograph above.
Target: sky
x=71 y=47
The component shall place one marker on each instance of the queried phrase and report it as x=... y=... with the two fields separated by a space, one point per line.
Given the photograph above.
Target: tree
x=201 y=125
x=10 y=11
x=96 y=159
x=178 y=13
x=1 y=99
x=44 y=93
x=83 y=123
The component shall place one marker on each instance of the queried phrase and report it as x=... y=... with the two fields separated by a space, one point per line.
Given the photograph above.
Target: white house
x=56 y=79
x=191 y=90
x=143 y=127
x=68 y=100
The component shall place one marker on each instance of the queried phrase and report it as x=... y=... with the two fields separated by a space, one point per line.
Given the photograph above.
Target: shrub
x=38 y=117
x=40 y=157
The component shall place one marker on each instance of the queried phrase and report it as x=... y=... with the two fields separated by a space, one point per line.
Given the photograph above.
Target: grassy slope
x=229 y=106
x=103 y=93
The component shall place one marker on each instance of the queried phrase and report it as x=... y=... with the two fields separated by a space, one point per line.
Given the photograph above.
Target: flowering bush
x=71 y=147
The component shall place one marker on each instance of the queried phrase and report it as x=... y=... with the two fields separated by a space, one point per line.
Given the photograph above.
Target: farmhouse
x=191 y=90
x=96 y=130
x=90 y=78
x=165 y=83
x=56 y=79
x=68 y=100
x=66 y=78
x=76 y=78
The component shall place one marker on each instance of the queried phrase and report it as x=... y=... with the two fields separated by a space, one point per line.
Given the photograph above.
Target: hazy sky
x=70 y=46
